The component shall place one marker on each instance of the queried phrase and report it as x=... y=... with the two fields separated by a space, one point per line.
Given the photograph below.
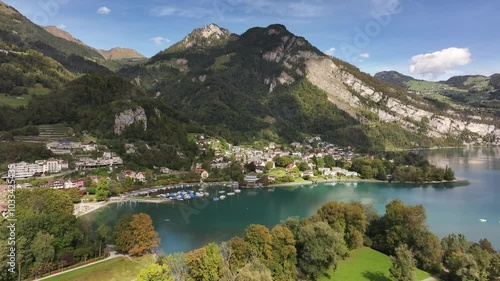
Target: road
x=112 y=255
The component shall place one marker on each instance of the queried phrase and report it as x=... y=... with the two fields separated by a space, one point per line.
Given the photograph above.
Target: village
x=81 y=165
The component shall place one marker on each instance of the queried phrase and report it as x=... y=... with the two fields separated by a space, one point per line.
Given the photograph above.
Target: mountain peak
x=210 y=35
x=118 y=53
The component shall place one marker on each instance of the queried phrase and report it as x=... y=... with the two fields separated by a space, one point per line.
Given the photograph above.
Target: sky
x=427 y=39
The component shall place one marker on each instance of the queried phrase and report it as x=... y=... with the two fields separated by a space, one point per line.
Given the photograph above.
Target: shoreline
x=356 y=180
x=92 y=207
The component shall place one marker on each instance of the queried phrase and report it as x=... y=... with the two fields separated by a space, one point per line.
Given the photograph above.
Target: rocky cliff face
x=350 y=94
x=130 y=117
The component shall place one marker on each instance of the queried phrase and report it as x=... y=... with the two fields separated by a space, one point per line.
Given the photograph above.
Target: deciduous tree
x=403 y=264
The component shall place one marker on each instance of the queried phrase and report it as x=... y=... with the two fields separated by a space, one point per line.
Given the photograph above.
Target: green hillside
x=366 y=264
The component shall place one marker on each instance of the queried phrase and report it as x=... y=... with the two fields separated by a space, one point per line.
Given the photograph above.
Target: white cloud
x=103 y=10
x=361 y=57
x=61 y=26
x=159 y=40
x=330 y=51
x=439 y=62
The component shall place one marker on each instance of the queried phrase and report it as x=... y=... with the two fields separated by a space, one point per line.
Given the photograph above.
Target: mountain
x=113 y=54
x=54 y=30
x=208 y=36
x=395 y=78
x=268 y=83
x=17 y=33
x=478 y=92
x=121 y=54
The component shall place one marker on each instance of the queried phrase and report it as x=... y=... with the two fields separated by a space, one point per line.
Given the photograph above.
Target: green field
x=365 y=264
x=14 y=101
x=117 y=269
x=24 y=99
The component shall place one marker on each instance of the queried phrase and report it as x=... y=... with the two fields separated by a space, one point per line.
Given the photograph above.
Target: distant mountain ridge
x=476 y=91
x=116 y=53
x=266 y=84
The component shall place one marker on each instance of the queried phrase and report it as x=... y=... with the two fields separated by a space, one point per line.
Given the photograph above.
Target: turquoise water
x=449 y=209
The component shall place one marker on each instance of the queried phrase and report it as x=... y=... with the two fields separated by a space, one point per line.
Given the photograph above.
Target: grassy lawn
x=14 y=101
x=118 y=269
x=365 y=264
x=277 y=172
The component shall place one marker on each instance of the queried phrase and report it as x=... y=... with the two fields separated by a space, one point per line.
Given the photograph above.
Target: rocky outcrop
x=208 y=35
x=350 y=94
x=130 y=117
x=283 y=79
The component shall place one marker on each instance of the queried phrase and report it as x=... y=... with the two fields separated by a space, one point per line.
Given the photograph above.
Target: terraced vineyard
x=50 y=133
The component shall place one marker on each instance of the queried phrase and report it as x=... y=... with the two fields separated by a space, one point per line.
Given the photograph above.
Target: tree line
x=303 y=249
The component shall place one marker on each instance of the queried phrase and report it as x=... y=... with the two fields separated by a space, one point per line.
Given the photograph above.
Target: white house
x=250 y=179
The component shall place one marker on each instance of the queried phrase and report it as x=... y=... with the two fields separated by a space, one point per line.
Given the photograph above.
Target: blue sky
x=432 y=39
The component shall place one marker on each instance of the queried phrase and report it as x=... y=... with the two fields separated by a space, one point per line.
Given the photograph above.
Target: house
x=165 y=170
x=204 y=174
x=23 y=170
x=89 y=146
x=140 y=176
x=308 y=173
x=271 y=178
x=69 y=184
x=129 y=174
x=250 y=179
x=351 y=174
x=325 y=171
x=260 y=169
x=290 y=166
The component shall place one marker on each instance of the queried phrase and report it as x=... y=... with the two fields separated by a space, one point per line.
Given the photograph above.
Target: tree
x=104 y=234
x=136 y=235
x=204 y=264
x=240 y=253
x=155 y=272
x=449 y=175
x=403 y=264
x=403 y=224
x=259 y=242
x=177 y=264
x=348 y=219
x=283 y=161
x=366 y=172
x=269 y=165
x=42 y=248
x=318 y=248
x=254 y=271
x=102 y=190
x=284 y=255
x=303 y=166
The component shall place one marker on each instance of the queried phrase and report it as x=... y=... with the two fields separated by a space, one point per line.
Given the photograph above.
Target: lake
x=449 y=209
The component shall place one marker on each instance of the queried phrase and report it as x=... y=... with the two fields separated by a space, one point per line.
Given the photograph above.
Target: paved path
x=112 y=255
